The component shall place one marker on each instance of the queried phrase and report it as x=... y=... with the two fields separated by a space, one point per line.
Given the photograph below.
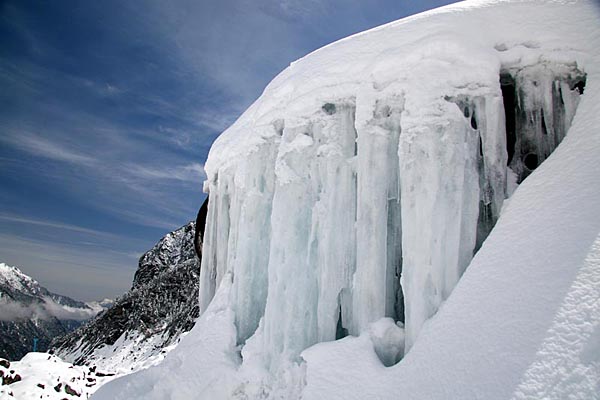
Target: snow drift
x=351 y=197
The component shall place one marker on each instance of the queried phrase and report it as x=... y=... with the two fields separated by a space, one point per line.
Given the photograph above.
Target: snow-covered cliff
x=351 y=197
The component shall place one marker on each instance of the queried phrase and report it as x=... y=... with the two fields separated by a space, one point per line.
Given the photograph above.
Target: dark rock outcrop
x=200 y=225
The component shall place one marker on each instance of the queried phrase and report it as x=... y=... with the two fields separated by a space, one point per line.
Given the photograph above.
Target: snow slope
x=45 y=376
x=286 y=179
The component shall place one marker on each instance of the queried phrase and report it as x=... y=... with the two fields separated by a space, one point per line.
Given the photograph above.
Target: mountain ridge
x=149 y=319
x=28 y=310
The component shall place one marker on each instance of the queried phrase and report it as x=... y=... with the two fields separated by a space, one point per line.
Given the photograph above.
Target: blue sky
x=108 y=110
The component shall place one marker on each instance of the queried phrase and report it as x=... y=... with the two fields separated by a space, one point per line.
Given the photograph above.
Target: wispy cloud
x=41 y=147
x=15 y=311
x=55 y=225
x=290 y=9
x=113 y=183
x=193 y=172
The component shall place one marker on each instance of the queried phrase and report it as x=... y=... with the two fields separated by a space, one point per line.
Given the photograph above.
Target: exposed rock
x=71 y=391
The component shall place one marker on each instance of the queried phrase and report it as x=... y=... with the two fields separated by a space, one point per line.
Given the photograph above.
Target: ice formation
x=348 y=201
x=358 y=200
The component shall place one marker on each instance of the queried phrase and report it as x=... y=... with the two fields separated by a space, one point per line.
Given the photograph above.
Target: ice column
x=254 y=182
x=332 y=238
x=290 y=321
x=485 y=115
x=378 y=228
x=440 y=195
x=216 y=237
x=237 y=235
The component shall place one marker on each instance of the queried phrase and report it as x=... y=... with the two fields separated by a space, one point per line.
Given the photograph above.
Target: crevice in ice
x=473 y=121
x=394 y=257
x=279 y=125
x=507 y=84
x=329 y=108
x=579 y=84
x=530 y=160
x=340 y=331
x=399 y=305
x=539 y=104
x=544 y=129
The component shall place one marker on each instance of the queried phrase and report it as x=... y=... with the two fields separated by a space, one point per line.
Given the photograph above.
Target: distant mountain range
x=29 y=311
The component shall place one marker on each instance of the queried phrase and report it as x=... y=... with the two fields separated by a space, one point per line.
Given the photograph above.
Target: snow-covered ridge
x=13 y=277
x=29 y=311
x=14 y=284
x=145 y=323
x=352 y=195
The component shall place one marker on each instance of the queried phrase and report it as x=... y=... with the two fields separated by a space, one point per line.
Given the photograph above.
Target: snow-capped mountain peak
x=12 y=277
x=28 y=310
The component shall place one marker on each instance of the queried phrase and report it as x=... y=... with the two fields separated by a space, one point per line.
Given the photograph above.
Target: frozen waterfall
x=352 y=206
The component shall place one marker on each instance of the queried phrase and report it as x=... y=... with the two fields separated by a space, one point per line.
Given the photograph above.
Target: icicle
x=214 y=260
x=290 y=321
x=440 y=193
x=333 y=218
x=547 y=98
x=255 y=181
x=378 y=224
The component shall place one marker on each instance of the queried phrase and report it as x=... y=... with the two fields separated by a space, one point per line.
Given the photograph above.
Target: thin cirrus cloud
x=39 y=146
x=120 y=170
x=113 y=171
x=55 y=225
x=193 y=172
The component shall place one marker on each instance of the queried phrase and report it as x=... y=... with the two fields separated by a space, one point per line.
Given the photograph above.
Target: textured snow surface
x=132 y=351
x=45 y=376
x=568 y=362
x=398 y=136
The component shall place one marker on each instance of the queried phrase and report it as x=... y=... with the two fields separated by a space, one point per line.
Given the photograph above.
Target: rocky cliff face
x=29 y=311
x=161 y=305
